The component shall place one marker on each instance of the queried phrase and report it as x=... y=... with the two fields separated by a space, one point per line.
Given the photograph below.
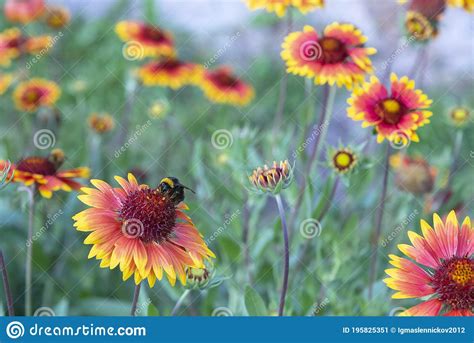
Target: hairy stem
x=180 y=302
x=284 y=287
x=6 y=285
x=378 y=223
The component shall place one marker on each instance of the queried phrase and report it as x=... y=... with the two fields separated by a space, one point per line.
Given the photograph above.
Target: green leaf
x=254 y=303
x=152 y=311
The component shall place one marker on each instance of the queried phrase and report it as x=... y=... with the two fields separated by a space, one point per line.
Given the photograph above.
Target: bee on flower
x=142 y=230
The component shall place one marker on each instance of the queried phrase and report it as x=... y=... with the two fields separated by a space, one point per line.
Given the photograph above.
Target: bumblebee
x=173 y=189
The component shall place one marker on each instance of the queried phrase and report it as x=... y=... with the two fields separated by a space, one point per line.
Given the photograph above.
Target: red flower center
x=36 y=165
x=33 y=95
x=390 y=110
x=333 y=50
x=153 y=34
x=148 y=215
x=169 y=64
x=454 y=282
x=224 y=79
x=15 y=43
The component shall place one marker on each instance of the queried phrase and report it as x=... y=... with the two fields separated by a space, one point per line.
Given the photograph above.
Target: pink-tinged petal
x=431 y=238
x=407 y=276
x=452 y=230
x=441 y=236
x=424 y=254
x=409 y=290
x=459 y=313
x=128 y=187
x=410 y=267
x=466 y=239
x=427 y=308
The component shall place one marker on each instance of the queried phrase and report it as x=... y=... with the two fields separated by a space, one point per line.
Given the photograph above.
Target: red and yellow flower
x=149 y=40
x=419 y=26
x=413 y=174
x=222 y=86
x=5 y=82
x=57 y=17
x=169 y=73
x=468 y=5
x=343 y=160
x=395 y=115
x=23 y=11
x=272 y=179
x=141 y=230
x=337 y=57
x=460 y=116
x=32 y=94
x=439 y=269
x=279 y=7
x=13 y=44
x=101 y=122
x=44 y=173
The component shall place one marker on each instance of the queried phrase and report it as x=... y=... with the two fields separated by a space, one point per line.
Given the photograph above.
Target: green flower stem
x=180 y=302
x=6 y=285
x=323 y=124
x=283 y=84
x=29 y=251
x=136 y=294
x=286 y=270
x=378 y=223
x=321 y=216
